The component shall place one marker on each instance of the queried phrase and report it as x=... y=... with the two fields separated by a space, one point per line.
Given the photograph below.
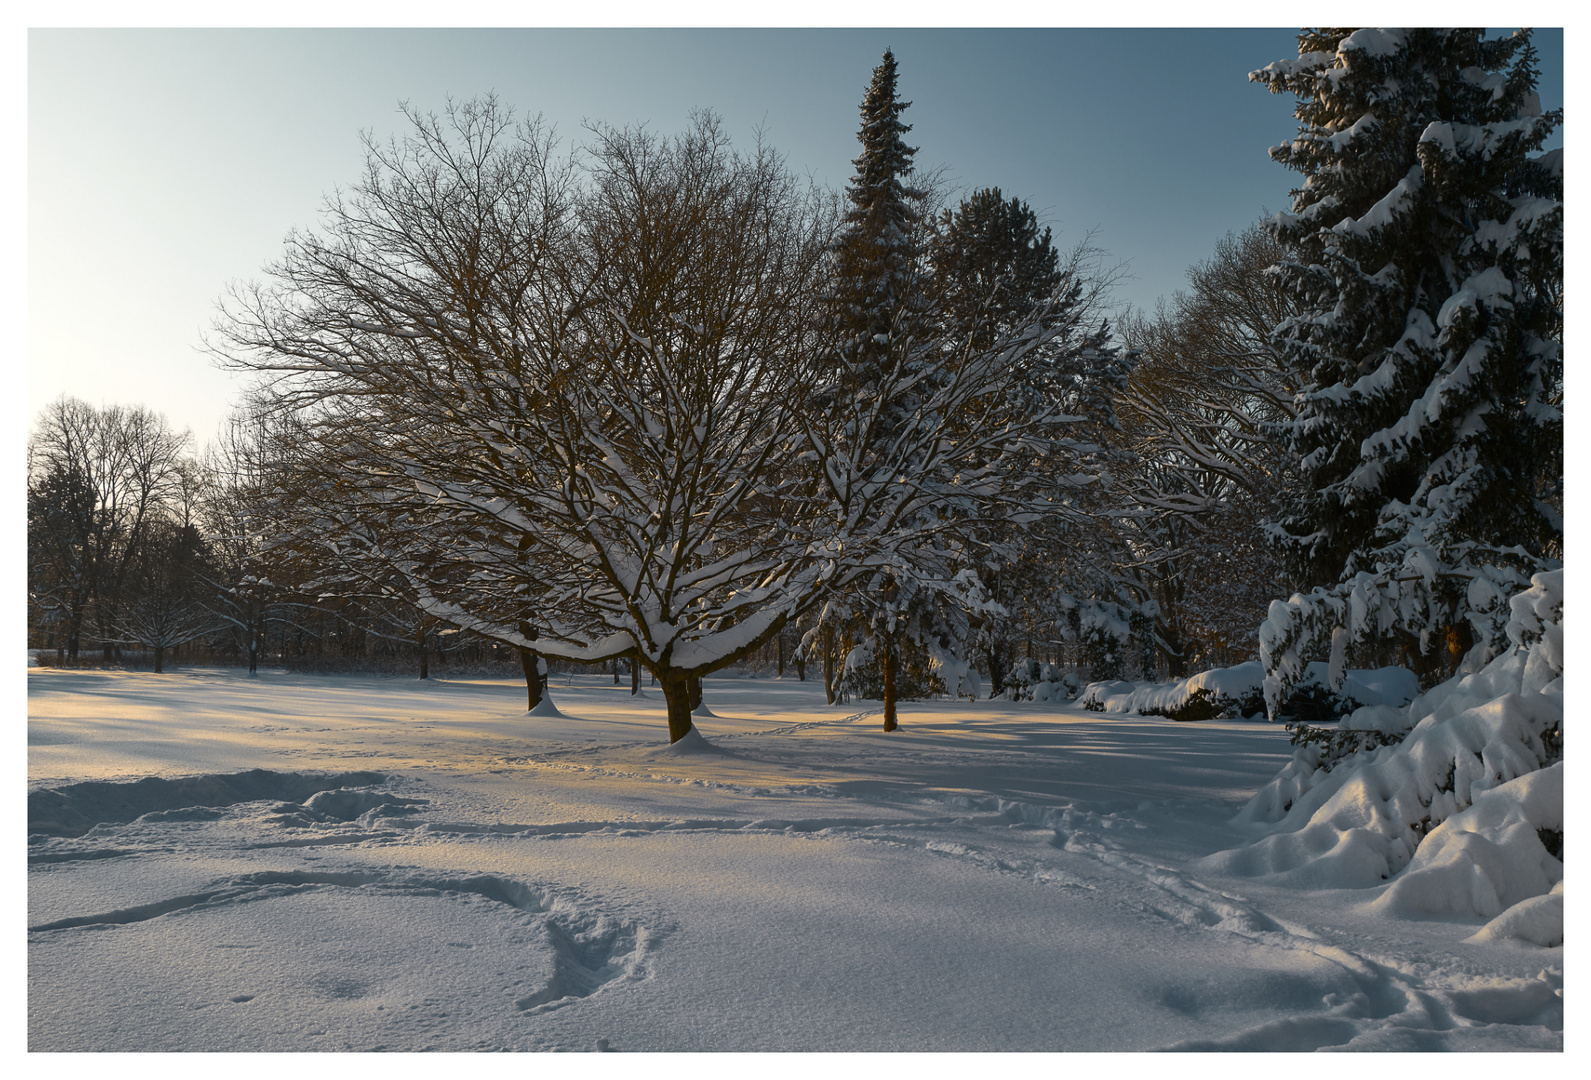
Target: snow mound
x=545 y=707
x=691 y=745
x=1536 y=921
x=76 y=808
x=1488 y=858
x=1464 y=815
x=346 y=804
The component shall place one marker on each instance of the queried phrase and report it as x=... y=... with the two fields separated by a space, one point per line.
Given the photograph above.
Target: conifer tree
x=877 y=307
x=994 y=271
x=992 y=265
x=1426 y=263
x=876 y=280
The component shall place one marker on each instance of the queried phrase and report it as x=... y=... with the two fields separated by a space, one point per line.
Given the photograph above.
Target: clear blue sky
x=164 y=163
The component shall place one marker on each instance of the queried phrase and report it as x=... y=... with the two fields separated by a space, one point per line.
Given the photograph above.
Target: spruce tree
x=877 y=287
x=1426 y=262
x=878 y=319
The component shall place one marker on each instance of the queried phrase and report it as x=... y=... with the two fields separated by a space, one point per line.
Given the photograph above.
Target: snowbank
x=1464 y=815
x=1239 y=691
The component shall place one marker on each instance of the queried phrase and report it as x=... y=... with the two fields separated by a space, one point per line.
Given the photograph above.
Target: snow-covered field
x=993 y=876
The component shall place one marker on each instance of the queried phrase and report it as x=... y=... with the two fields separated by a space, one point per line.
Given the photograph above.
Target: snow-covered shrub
x=1239 y=691
x=1106 y=632
x=1034 y=680
x=1108 y=696
x=1223 y=692
x=952 y=674
x=1507 y=847
x=1336 y=744
x=1464 y=814
x=1105 y=639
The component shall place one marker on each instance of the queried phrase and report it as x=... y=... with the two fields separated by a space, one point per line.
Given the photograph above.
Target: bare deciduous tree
x=1199 y=412
x=97 y=480
x=594 y=411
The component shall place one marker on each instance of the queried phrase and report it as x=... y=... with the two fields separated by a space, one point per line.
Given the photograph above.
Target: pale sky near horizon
x=163 y=164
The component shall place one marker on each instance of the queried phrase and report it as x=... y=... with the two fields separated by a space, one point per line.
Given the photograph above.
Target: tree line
x=655 y=400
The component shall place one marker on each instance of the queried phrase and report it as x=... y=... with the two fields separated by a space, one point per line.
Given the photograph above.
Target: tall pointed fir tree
x=877 y=288
x=878 y=319
x=1427 y=263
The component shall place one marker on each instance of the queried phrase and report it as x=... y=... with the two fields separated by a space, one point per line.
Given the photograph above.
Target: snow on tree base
x=545 y=707
x=692 y=744
x=1464 y=817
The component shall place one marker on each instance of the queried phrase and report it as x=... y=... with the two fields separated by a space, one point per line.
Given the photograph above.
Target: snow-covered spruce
x=1425 y=256
x=1463 y=816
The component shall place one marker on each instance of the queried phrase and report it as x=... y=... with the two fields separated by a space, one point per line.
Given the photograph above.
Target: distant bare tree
x=1199 y=412
x=240 y=524
x=97 y=480
x=162 y=606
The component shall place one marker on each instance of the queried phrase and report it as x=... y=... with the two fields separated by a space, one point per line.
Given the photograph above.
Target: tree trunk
x=801 y=666
x=996 y=672
x=677 y=693
x=1175 y=652
x=779 y=652
x=615 y=671
x=74 y=629
x=828 y=663
x=635 y=677
x=530 y=664
x=694 y=685
x=425 y=660
x=160 y=656
x=1460 y=639
x=889 y=688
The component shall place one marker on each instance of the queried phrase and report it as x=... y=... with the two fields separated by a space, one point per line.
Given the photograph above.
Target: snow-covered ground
x=993 y=876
